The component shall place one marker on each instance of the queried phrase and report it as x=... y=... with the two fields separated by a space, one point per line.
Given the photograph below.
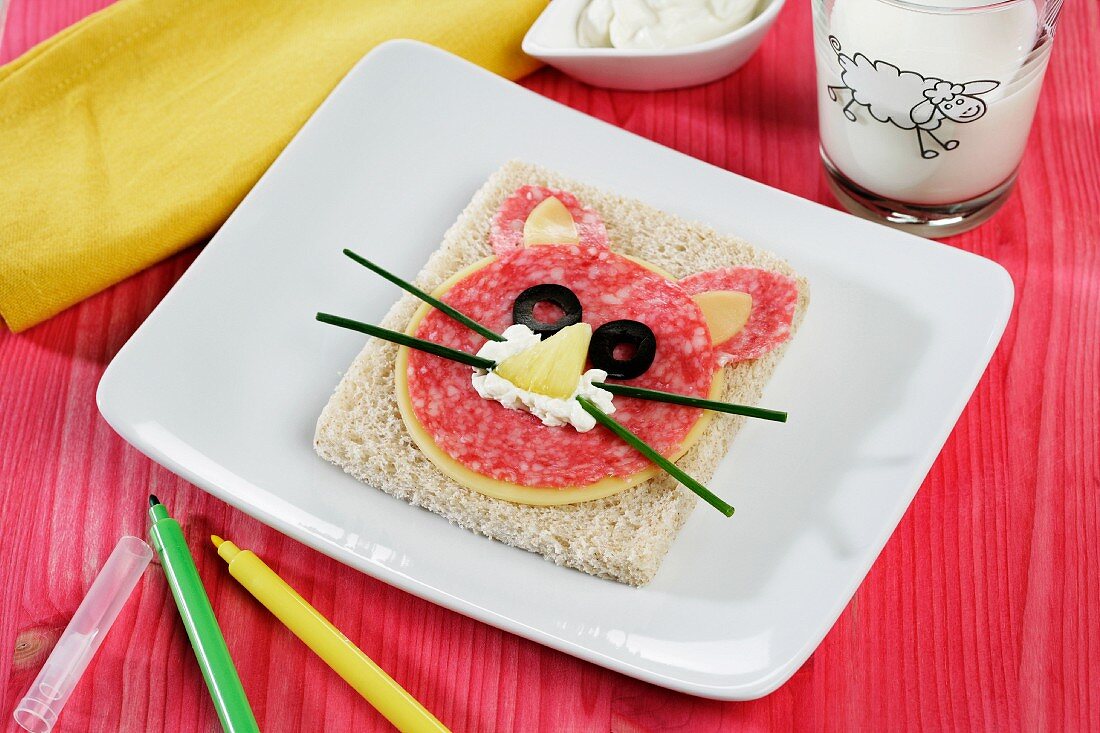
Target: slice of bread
x=622 y=537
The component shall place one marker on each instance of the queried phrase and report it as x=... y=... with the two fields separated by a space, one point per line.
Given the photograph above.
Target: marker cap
x=39 y=709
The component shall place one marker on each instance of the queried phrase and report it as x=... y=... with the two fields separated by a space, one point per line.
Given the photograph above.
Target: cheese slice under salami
x=514 y=446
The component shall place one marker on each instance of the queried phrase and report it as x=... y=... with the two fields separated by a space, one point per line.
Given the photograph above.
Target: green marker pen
x=206 y=638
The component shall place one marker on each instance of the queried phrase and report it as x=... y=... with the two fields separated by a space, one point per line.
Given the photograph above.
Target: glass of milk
x=925 y=105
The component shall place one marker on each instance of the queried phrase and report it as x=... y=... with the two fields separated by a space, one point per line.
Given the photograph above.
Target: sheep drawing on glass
x=906 y=99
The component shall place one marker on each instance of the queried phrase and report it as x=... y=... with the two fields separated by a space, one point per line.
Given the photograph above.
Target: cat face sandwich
x=553 y=392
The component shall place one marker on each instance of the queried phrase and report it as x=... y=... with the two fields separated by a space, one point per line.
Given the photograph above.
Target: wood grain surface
x=983 y=612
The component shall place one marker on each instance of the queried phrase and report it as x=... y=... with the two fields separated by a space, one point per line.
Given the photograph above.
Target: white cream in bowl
x=654 y=24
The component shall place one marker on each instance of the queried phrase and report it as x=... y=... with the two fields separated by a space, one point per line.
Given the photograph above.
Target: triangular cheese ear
x=726 y=312
x=564 y=220
x=769 y=297
x=550 y=223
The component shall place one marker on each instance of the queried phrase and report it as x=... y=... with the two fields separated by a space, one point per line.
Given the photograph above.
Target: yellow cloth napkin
x=135 y=133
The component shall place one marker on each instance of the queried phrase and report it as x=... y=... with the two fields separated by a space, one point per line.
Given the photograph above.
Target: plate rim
x=999 y=281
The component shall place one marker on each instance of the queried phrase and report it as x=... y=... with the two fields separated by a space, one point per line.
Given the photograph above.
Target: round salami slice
x=506 y=233
x=514 y=446
x=774 y=297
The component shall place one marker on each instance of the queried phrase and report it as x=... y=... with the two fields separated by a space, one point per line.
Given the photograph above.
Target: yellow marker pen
x=327 y=641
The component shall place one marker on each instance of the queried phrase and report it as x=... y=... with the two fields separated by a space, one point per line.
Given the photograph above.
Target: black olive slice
x=523 y=310
x=632 y=335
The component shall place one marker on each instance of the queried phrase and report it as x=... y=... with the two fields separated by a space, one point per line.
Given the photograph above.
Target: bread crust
x=622 y=537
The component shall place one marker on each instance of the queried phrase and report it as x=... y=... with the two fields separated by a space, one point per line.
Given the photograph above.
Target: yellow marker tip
x=216 y=540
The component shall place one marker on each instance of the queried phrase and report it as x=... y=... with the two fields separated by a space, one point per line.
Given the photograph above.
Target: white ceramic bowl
x=553 y=39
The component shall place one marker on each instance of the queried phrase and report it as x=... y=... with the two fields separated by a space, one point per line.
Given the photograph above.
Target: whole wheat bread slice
x=622 y=537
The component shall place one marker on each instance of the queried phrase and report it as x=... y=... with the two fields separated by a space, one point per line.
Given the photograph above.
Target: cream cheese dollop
x=552 y=411
x=653 y=24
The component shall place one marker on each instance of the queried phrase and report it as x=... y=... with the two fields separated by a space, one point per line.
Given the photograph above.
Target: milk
x=967 y=156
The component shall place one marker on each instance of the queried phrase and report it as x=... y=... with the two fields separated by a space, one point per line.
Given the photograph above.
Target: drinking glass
x=3 y=19
x=924 y=110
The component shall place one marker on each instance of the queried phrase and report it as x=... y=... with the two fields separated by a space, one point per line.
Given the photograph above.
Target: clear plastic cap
x=38 y=710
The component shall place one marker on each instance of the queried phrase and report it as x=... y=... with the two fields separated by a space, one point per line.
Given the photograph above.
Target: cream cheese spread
x=552 y=411
x=654 y=24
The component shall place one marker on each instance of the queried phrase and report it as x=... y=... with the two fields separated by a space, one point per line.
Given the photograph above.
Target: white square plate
x=224 y=381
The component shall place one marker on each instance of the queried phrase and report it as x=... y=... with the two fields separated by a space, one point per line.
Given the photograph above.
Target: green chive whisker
x=646 y=450
x=434 y=302
x=403 y=339
x=679 y=399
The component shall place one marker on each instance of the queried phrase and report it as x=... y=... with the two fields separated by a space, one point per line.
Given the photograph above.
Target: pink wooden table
x=983 y=612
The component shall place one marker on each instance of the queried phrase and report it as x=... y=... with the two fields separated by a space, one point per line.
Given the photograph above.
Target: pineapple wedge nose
x=552 y=367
